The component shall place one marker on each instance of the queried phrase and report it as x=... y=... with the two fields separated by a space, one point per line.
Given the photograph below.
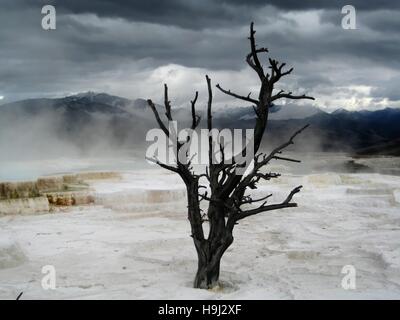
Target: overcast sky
x=130 y=48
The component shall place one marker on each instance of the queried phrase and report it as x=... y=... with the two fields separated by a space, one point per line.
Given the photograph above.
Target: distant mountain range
x=357 y=131
x=98 y=121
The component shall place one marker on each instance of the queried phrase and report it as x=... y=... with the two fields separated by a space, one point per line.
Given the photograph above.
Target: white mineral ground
x=134 y=243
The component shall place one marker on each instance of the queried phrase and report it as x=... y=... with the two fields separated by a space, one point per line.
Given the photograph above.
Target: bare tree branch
x=263 y=208
x=209 y=125
x=254 y=54
x=277 y=70
x=195 y=117
x=157 y=116
x=250 y=56
x=286 y=159
x=250 y=200
x=290 y=96
x=228 y=92
x=283 y=146
x=163 y=165
x=167 y=103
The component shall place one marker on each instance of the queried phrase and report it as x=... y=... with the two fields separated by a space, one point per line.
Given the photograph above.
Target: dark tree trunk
x=210 y=252
x=207 y=275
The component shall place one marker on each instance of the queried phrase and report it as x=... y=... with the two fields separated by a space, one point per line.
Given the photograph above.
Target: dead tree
x=228 y=191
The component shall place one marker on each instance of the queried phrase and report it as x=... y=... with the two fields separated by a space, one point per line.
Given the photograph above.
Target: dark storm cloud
x=324 y=4
x=106 y=45
x=192 y=14
x=202 y=14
